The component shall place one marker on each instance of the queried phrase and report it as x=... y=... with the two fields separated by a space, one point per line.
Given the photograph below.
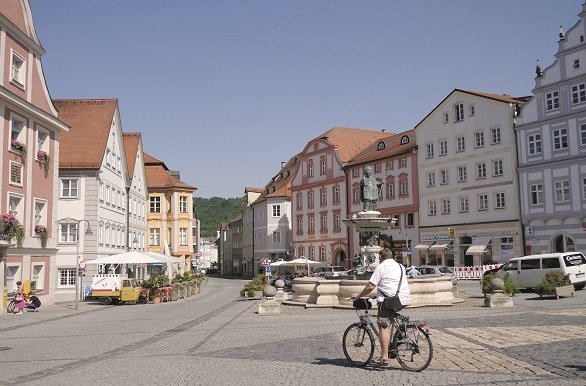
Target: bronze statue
x=370 y=190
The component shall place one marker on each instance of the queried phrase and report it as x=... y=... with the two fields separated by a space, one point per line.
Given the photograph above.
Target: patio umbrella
x=131 y=257
x=301 y=261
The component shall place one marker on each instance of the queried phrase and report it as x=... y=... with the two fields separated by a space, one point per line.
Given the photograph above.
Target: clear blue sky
x=223 y=91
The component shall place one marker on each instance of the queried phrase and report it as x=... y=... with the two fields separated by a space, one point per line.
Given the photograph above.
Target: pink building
x=29 y=156
x=318 y=194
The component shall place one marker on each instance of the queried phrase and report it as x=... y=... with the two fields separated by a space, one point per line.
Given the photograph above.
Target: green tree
x=211 y=212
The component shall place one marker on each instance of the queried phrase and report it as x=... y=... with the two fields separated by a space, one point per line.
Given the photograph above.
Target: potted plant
x=18 y=146
x=41 y=231
x=254 y=286
x=10 y=229
x=555 y=283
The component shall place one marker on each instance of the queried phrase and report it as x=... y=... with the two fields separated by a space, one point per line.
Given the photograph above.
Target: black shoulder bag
x=393 y=304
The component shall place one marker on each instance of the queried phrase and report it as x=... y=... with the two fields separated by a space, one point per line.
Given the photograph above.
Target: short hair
x=386 y=253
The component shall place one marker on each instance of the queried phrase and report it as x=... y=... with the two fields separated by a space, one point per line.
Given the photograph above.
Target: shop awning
x=442 y=244
x=425 y=245
x=478 y=246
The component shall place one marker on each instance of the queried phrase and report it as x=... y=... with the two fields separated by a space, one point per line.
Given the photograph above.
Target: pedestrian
x=34 y=303
x=386 y=278
x=413 y=272
x=19 y=298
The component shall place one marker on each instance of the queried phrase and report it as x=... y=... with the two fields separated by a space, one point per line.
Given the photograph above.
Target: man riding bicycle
x=386 y=278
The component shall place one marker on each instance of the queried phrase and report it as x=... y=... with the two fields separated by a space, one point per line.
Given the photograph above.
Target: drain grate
x=5 y=348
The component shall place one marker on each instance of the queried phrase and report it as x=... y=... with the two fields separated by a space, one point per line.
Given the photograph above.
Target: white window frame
x=443 y=147
x=276 y=237
x=431 y=208
x=560 y=138
x=16 y=177
x=534 y=144
x=583 y=134
x=499 y=200
x=17 y=130
x=446 y=206
x=155 y=204
x=478 y=139
x=183 y=204
x=66 y=277
x=182 y=236
x=68 y=233
x=391 y=189
x=17 y=70
x=562 y=191
x=68 y=190
x=482 y=202
x=462 y=174
x=16 y=206
x=481 y=170
x=578 y=93
x=276 y=210
x=404 y=188
x=430 y=179
x=40 y=212
x=471 y=110
x=497 y=168
x=536 y=193
x=155 y=236
x=464 y=204
x=444 y=177
x=459 y=112
x=429 y=150
x=460 y=144
x=336 y=194
x=552 y=100
x=495 y=136
x=324 y=222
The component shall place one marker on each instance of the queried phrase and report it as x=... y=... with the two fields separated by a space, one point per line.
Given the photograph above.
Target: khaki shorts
x=383 y=318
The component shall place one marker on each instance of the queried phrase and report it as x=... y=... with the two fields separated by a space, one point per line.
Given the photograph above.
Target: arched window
x=564 y=243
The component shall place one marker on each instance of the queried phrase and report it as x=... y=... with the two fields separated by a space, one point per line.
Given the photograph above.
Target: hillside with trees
x=211 y=212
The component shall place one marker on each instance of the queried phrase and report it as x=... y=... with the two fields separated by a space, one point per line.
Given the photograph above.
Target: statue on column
x=370 y=190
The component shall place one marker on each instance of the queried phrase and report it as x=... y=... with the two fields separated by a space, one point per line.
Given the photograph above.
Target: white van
x=529 y=271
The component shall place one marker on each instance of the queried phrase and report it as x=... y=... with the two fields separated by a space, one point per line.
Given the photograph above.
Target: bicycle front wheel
x=413 y=348
x=358 y=345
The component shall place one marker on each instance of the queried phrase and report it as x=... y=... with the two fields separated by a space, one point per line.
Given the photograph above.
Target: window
x=66 y=278
x=276 y=210
x=310 y=169
x=497 y=168
x=337 y=221
x=443 y=147
x=562 y=191
x=391 y=189
x=403 y=163
x=324 y=223
x=336 y=194
x=577 y=61
x=471 y=110
x=584 y=188
x=312 y=253
x=495 y=135
x=311 y=225
x=550 y=262
x=536 y=194
x=377 y=168
x=15 y=173
x=276 y=237
x=310 y=199
x=429 y=150
x=460 y=144
x=155 y=205
x=37 y=277
x=483 y=202
x=68 y=233
x=42 y=146
x=390 y=165
x=323 y=196
x=154 y=236
x=18 y=70
x=40 y=213
x=479 y=139
x=552 y=100
x=464 y=204
x=462 y=174
x=431 y=208
x=183 y=204
x=355 y=195
x=410 y=220
x=560 y=139
x=443 y=177
x=530 y=264
x=583 y=134
x=499 y=200
x=578 y=93
x=446 y=118
x=322 y=253
x=404 y=188
x=322 y=167
x=446 y=206
x=183 y=236
x=459 y=112
x=430 y=179
x=355 y=173
x=16 y=206
x=299 y=226
x=299 y=201
x=481 y=170
x=68 y=188
x=534 y=143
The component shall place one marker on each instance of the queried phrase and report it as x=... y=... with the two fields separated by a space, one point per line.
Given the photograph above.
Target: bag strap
x=399 y=286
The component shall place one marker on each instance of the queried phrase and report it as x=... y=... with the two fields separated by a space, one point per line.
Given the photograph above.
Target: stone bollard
x=269 y=306
x=280 y=295
x=496 y=298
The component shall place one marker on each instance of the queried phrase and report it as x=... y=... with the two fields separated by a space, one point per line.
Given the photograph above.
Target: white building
x=468 y=194
x=551 y=139
x=93 y=179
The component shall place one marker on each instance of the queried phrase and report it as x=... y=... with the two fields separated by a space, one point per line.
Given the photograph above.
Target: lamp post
x=88 y=231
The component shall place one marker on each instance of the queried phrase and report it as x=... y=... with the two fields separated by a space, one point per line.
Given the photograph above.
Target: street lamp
x=88 y=231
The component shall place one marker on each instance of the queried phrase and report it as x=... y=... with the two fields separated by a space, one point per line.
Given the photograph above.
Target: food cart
x=114 y=288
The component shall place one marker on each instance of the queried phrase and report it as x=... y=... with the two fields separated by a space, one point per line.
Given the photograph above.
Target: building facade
x=319 y=194
x=393 y=160
x=551 y=138
x=469 y=201
x=29 y=157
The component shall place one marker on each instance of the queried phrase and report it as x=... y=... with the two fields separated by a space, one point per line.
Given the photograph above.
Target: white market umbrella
x=131 y=257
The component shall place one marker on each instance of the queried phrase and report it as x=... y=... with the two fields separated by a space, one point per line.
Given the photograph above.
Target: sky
x=225 y=90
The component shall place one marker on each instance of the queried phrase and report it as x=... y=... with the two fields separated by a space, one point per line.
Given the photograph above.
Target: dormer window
x=380 y=146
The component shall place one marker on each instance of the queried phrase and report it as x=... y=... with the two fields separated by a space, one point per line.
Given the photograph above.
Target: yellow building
x=170 y=217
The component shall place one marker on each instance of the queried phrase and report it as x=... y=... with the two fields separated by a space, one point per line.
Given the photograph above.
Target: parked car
x=435 y=271
x=330 y=272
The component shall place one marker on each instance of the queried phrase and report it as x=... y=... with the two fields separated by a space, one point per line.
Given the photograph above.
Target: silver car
x=330 y=272
x=435 y=271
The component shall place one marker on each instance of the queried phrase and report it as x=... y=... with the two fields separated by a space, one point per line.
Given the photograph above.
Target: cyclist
x=386 y=277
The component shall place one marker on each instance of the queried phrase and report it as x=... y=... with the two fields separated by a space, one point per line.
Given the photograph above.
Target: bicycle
x=410 y=344
x=12 y=303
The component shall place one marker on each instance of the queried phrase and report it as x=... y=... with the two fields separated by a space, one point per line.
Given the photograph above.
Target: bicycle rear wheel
x=412 y=348
x=11 y=306
x=358 y=345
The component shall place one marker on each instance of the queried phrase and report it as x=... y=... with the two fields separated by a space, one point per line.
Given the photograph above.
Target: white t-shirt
x=386 y=277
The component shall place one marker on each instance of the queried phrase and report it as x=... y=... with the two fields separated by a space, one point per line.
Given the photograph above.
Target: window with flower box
x=17 y=134
x=42 y=153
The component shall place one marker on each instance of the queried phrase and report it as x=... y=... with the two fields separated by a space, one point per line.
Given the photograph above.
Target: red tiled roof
x=392 y=146
x=131 y=141
x=90 y=121
x=350 y=141
x=158 y=177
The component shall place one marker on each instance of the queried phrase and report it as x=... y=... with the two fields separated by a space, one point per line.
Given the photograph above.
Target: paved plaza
x=216 y=338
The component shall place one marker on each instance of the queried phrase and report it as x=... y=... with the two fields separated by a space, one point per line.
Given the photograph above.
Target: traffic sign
x=264 y=262
x=81 y=265
x=198 y=254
